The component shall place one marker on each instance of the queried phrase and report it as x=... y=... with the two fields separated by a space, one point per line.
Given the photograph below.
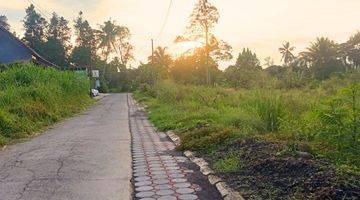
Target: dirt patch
x=268 y=170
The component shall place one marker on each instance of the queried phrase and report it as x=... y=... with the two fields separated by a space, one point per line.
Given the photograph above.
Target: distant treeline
x=108 y=49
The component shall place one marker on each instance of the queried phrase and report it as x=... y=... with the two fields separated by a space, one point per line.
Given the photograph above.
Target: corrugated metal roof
x=13 y=50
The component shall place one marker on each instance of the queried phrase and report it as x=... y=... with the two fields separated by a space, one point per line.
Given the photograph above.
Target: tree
x=124 y=47
x=117 y=76
x=162 y=60
x=86 y=36
x=35 y=28
x=4 y=22
x=109 y=32
x=86 y=41
x=81 y=56
x=269 y=61
x=57 y=46
x=115 y=39
x=59 y=30
x=246 y=72
x=324 y=57
x=286 y=51
x=248 y=60
x=352 y=50
x=203 y=19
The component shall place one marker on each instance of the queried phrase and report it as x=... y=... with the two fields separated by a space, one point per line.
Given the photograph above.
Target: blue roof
x=13 y=50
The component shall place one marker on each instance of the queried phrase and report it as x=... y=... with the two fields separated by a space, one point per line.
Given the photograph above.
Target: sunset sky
x=261 y=25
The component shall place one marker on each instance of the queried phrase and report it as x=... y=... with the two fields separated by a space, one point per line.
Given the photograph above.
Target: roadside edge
x=226 y=192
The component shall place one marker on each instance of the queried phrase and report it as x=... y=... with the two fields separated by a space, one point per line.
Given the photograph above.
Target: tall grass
x=326 y=122
x=32 y=97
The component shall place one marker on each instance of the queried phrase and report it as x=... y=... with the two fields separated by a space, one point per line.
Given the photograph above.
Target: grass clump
x=228 y=164
x=322 y=119
x=205 y=138
x=32 y=97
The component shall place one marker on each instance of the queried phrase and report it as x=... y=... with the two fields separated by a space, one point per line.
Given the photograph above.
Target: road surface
x=85 y=157
x=93 y=156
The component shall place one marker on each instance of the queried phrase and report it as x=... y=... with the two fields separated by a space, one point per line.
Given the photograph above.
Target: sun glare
x=186 y=47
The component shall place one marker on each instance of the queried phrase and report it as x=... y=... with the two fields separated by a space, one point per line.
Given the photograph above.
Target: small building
x=14 y=50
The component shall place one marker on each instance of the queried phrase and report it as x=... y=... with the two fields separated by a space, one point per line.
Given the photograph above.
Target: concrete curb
x=226 y=192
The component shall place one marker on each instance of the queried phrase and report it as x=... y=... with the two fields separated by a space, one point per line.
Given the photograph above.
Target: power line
x=166 y=19
x=42 y=11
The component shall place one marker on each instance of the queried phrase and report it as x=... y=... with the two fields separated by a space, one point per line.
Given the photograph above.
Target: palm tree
x=162 y=60
x=322 y=51
x=352 y=50
x=286 y=51
x=108 y=35
x=324 y=57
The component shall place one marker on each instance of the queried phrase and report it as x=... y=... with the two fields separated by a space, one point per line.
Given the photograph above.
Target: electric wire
x=165 y=20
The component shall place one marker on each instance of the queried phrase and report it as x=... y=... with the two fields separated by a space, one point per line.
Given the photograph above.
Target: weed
x=230 y=163
x=32 y=97
x=324 y=121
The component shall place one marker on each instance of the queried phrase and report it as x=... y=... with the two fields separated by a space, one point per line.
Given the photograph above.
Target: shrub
x=231 y=163
x=32 y=97
x=204 y=138
x=210 y=116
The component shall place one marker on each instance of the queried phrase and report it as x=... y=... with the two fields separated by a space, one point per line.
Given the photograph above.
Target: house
x=14 y=50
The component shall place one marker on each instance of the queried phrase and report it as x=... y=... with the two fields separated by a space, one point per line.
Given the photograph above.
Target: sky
x=261 y=25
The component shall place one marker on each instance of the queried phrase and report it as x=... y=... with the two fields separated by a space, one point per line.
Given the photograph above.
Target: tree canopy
x=4 y=22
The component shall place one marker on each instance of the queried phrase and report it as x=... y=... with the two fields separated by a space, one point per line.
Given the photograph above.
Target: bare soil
x=268 y=170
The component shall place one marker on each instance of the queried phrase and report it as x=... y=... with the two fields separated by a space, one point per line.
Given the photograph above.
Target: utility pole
x=90 y=77
x=152 y=50
x=208 y=75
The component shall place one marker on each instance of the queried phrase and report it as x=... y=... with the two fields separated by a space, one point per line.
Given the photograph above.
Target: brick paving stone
x=145 y=194
x=185 y=191
x=137 y=174
x=144 y=188
x=167 y=198
x=159 y=176
x=179 y=180
x=188 y=197
x=143 y=183
x=163 y=187
x=161 y=181
x=158 y=170
x=176 y=175
x=142 y=178
x=182 y=185
x=165 y=192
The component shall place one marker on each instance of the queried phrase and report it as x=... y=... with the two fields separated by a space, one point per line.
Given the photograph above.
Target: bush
x=231 y=163
x=322 y=119
x=32 y=97
x=204 y=138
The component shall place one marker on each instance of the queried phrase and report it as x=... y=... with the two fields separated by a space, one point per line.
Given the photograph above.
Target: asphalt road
x=85 y=157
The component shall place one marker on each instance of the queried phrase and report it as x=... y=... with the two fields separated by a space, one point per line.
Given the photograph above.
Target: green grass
x=322 y=120
x=32 y=97
x=230 y=163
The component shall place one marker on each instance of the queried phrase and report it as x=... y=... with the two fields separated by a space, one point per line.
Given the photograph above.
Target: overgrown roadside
x=267 y=143
x=32 y=97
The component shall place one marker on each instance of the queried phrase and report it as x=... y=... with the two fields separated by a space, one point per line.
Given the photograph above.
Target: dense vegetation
x=106 y=48
x=32 y=97
x=288 y=131
x=321 y=123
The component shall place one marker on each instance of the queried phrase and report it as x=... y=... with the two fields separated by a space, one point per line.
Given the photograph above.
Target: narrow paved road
x=86 y=157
